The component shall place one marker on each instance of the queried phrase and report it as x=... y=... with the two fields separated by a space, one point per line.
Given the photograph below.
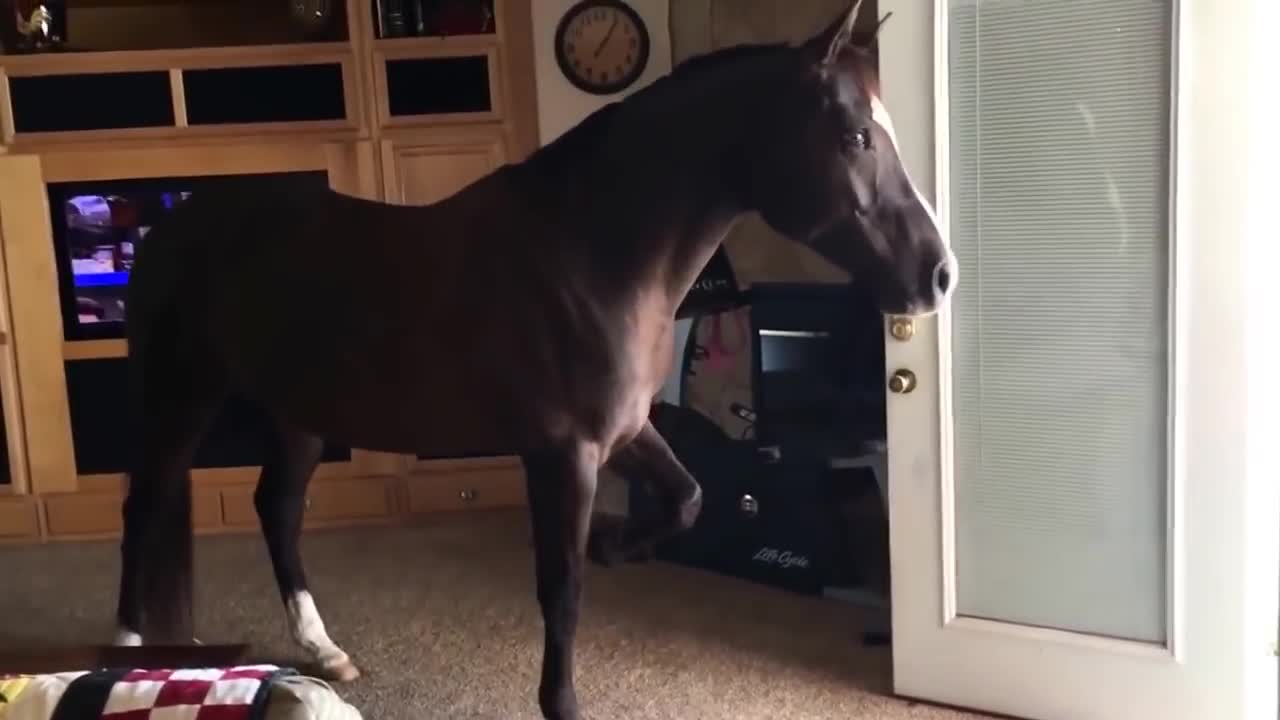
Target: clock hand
x=607 y=35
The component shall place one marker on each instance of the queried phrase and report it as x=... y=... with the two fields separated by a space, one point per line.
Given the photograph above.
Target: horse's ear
x=826 y=46
x=866 y=39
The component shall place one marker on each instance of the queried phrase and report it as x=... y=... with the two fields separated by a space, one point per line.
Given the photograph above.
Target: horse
x=530 y=313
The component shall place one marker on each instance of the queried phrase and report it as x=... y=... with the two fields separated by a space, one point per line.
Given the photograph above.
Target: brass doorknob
x=902 y=328
x=902 y=381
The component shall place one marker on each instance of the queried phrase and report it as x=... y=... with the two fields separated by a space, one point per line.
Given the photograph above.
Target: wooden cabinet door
x=421 y=171
x=32 y=379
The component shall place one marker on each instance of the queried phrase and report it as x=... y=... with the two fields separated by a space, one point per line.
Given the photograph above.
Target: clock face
x=602 y=46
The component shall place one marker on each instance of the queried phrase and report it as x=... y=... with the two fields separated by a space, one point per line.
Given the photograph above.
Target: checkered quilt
x=228 y=693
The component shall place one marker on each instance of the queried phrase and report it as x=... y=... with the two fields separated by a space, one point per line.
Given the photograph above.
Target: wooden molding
x=32 y=282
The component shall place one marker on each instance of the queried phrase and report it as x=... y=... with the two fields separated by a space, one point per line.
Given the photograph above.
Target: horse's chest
x=644 y=364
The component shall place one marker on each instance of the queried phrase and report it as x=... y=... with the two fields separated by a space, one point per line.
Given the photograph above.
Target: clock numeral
x=619 y=71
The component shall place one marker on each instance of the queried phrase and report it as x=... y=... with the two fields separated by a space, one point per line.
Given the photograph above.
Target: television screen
x=818 y=387
x=99 y=226
x=103 y=231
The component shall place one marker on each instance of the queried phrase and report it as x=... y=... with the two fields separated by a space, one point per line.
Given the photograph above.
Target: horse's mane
x=578 y=140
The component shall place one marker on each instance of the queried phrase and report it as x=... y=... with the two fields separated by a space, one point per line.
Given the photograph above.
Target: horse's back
x=373 y=324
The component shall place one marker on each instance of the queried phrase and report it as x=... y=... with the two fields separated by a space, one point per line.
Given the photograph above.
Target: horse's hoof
x=688 y=512
x=126 y=638
x=562 y=705
x=343 y=672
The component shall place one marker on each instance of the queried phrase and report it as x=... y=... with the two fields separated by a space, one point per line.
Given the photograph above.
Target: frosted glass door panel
x=1059 y=197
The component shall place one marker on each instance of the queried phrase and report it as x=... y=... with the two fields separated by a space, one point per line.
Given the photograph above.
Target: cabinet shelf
x=114 y=61
x=108 y=25
x=437 y=45
x=72 y=96
x=94 y=349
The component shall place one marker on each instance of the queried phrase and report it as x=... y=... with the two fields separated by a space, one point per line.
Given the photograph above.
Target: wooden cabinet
x=419 y=169
x=405 y=120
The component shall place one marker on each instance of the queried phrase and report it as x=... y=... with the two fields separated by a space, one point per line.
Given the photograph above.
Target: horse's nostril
x=942 y=277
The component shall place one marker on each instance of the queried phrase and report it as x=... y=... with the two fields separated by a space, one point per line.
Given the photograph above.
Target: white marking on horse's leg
x=127 y=638
x=309 y=632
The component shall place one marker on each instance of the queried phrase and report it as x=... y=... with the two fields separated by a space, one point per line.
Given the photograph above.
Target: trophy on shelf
x=31 y=26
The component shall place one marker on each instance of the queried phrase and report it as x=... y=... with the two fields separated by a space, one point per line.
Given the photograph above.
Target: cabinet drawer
x=18 y=519
x=237 y=506
x=100 y=513
x=328 y=501
x=206 y=509
x=337 y=500
x=482 y=488
x=84 y=514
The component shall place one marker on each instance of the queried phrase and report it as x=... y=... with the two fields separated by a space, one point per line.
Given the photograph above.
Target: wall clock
x=602 y=46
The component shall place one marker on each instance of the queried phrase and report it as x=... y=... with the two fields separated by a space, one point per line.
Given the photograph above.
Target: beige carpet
x=443 y=621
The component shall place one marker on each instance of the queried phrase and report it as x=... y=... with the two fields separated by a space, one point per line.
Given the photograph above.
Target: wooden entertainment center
x=205 y=88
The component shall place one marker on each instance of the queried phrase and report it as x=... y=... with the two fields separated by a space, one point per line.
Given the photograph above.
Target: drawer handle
x=468 y=495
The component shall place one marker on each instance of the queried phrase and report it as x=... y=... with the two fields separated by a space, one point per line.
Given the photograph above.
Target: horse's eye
x=858 y=140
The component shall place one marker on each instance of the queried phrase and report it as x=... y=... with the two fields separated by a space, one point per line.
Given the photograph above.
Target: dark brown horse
x=531 y=313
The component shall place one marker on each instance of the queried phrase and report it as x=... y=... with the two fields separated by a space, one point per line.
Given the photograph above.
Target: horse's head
x=823 y=168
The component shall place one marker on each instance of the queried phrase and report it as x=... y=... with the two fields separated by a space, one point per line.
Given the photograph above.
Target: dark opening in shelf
x=105 y=101
x=6 y=477
x=432 y=18
x=277 y=93
x=97 y=395
x=435 y=86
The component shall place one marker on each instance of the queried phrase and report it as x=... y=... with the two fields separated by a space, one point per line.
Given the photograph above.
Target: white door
x=1074 y=532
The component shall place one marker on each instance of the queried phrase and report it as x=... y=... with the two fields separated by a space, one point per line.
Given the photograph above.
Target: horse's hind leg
x=174 y=400
x=280 y=499
x=647 y=458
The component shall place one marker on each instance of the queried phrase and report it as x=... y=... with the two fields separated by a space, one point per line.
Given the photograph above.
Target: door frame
x=1223 y=651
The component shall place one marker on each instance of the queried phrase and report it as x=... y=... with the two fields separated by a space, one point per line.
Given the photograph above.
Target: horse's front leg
x=561 y=486
x=647 y=458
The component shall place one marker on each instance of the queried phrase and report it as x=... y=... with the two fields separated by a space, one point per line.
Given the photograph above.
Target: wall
x=561 y=105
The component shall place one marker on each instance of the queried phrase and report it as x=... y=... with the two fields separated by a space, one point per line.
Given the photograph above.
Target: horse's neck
x=660 y=203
